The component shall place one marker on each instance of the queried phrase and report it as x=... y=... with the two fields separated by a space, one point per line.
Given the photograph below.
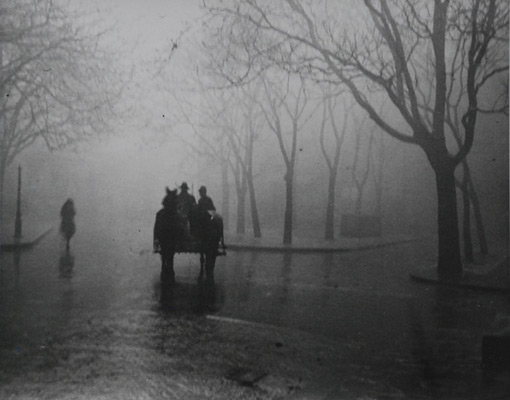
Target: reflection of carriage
x=196 y=233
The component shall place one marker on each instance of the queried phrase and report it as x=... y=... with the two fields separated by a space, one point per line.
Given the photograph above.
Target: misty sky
x=142 y=156
x=149 y=22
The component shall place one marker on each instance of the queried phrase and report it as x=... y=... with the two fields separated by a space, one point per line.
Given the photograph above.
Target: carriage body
x=171 y=232
x=194 y=245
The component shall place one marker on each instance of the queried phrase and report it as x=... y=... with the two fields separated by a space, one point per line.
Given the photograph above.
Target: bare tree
x=225 y=128
x=286 y=104
x=360 y=173
x=493 y=63
x=384 y=56
x=332 y=157
x=380 y=148
x=207 y=139
x=241 y=135
x=57 y=84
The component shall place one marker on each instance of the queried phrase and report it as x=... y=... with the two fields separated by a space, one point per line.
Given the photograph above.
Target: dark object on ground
x=496 y=352
x=496 y=346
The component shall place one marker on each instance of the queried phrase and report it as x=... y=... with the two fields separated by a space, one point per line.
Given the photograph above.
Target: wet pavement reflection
x=423 y=335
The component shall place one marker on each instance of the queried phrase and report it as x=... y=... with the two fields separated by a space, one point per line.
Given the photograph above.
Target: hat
x=202 y=189
x=184 y=186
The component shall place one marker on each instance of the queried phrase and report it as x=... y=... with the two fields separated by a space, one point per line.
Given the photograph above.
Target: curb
x=301 y=249
x=23 y=245
x=429 y=276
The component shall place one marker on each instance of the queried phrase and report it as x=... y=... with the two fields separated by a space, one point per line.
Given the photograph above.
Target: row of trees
x=433 y=64
x=244 y=127
x=57 y=83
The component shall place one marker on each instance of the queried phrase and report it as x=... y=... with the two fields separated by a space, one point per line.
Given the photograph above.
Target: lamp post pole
x=17 y=225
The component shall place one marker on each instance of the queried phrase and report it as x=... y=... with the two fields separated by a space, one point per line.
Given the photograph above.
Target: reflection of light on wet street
x=419 y=333
x=102 y=302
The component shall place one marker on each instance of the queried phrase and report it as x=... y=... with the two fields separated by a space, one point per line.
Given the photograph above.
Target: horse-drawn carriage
x=199 y=232
x=193 y=244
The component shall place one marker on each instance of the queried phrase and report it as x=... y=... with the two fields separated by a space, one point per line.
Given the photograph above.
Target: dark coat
x=186 y=204
x=205 y=204
x=67 y=225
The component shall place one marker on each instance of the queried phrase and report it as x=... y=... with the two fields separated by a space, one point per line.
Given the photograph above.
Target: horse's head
x=170 y=200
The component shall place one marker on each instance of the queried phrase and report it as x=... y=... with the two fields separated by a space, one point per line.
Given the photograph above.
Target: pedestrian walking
x=67 y=225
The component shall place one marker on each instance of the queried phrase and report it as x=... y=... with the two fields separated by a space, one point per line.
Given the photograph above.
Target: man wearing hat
x=186 y=204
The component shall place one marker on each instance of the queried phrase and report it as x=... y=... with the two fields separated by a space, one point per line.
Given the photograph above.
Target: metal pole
x=17 y=225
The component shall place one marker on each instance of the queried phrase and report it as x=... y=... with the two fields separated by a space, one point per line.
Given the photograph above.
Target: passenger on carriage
x=205 y=203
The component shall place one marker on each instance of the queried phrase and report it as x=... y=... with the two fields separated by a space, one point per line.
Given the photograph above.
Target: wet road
x=361 y=297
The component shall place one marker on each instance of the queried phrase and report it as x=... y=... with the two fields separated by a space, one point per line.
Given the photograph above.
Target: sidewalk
x=31 y=234
x=490 y=273
x=274 y=242
x=487 y=273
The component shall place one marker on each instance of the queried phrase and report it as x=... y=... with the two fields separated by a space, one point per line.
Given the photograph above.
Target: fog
x=122 y=176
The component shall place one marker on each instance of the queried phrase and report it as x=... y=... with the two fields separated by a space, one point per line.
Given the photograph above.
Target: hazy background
x=122 y=176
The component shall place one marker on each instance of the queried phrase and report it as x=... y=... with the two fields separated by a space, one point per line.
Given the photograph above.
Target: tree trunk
x=378 y=199
x=480 y=230
x=449 y=264
x=254 y=211
x=225 y=195
x=287 y=226
x=3 y=161
x=475 y=203
x=379 y=181
x=3 y=168
x=471 y=197
x=359 y=199
x=466 y=221
x=241 y=218
x=330 y=208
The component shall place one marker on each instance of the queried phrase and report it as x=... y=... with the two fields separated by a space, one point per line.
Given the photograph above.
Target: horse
x=171 y=236
x=168 y=229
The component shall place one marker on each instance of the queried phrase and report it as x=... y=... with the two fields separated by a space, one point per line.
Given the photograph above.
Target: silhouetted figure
x=67 y=225
x=205 y=203
x=205 y=210
x=207 y=216
x=210 y=235
x=186 y=206
x=168 y=229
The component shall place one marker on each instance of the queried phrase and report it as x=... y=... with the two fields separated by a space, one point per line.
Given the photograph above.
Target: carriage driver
x=186 y=205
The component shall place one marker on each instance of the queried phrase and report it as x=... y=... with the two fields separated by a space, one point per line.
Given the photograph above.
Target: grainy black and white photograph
x=254 y=199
